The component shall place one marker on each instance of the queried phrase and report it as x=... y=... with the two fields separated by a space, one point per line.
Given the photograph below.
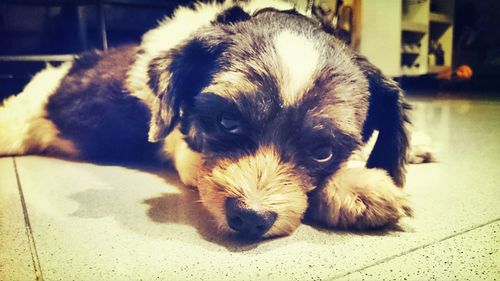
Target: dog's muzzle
x=246 y=221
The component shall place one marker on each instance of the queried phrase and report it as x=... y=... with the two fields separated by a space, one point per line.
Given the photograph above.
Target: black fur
x=232 y=15
x=293 y=135
x=387 y=113
x=191 y=67
x=273 y=10
x=93 y=110
x=209 y=136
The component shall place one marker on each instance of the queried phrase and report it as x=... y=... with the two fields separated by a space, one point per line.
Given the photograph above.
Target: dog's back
x=95 y=110
x=79 y=109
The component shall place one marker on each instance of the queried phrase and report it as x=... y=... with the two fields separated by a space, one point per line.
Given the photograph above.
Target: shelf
x=410 y=53
x=410 y=49
x=438 y=68
x=414 y=27
x=47 y=58
x=412 y=71
x=440 y=18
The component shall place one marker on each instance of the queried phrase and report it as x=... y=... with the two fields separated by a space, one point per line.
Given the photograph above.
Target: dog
x=256 y=105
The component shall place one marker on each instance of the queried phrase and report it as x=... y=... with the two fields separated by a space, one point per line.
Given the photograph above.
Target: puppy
x=256 y=105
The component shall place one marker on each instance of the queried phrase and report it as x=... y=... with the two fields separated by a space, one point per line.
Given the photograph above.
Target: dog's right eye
x=229 y=122
x=322 y=154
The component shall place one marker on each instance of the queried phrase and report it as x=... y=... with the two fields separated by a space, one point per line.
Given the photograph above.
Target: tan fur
x=23 y=124
x=187 y=162
x=359 y=198
x=230 y=85
x=263 y=183
x=346 y=111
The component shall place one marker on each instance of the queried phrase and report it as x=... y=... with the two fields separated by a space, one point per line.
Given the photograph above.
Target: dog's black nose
x=247 y=221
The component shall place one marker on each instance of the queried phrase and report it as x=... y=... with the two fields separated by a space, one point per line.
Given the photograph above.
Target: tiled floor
x=62 y=220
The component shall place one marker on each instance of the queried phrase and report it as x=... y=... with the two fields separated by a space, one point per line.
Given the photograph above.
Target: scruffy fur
x=249 y=100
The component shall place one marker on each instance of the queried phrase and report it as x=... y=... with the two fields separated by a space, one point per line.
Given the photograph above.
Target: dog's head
x=275 y=105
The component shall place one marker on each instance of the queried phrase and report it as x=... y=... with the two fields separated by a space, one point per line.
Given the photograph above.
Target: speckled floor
x=62 y=220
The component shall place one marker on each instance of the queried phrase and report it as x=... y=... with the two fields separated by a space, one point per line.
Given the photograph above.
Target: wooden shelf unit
x=401 y=36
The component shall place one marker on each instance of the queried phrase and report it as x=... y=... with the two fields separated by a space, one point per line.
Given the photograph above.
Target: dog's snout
x=247 y=221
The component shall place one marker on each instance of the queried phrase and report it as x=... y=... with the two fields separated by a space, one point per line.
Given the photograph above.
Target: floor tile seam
x=415 y=249
x=28 y=228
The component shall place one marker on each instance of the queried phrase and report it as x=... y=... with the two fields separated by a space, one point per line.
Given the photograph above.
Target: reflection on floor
x=62 y=220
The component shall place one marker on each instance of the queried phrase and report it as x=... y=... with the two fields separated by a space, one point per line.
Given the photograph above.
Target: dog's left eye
x=229 y=122
x=322 y=154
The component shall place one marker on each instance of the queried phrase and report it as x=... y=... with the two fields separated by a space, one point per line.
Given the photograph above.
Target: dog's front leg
x=359 y=198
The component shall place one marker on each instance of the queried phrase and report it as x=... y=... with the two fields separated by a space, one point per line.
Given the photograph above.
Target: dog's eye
x=229 y=122
x=322 y=154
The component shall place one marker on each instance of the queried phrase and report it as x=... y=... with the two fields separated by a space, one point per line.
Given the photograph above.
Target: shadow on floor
x=159 y=216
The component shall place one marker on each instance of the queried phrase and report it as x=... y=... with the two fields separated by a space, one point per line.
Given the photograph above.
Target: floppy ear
x=181 y=73
x=387 y=113
x=176 y=77
x=232 y=15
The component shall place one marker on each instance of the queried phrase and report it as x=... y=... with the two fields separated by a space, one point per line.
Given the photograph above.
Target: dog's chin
x=263 y=184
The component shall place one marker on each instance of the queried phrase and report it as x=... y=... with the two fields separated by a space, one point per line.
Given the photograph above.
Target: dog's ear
x=177 y=76
x=232 y=15
x=387 y=113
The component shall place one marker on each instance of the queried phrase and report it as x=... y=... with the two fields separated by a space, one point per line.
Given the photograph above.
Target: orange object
x=463 y=72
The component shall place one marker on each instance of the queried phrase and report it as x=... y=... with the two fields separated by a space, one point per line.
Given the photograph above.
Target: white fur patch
x=23 y=124
x=299 y=61
x=173 y=30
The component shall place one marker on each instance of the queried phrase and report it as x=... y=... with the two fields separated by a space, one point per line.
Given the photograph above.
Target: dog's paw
x=420 y=155
x=360 y=198
x=381 y=206
x=421 y=149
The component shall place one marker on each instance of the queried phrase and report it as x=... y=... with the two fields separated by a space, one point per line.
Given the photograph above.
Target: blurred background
x=426 y=45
